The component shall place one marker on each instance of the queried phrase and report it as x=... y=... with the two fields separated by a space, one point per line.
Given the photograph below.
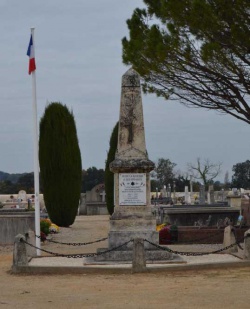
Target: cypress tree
x=109 y=176
x=60 y=164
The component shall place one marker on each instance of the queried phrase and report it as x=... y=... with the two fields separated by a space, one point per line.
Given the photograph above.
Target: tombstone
x=169 y=191
x=235 y=191
x=95 y=201
x=103 y=194
x=164 y=192
x=82 y=210
x=187 y=197
x=22 y=196
x=208 y=198
x=211 y=191
x=202 y=194
x=132 y=217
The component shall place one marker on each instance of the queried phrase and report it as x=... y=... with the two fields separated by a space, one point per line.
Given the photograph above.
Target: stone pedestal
x=234 y=201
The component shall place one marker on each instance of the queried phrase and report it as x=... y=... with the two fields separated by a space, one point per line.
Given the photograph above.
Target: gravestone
x=211 y=193
x=169 y=191
x=22 y=196
x=82 y=210
x=95 y=201
x=132 y=217
x=202 y=194
x=187 y=196
x=164 y=192
x=208 y=198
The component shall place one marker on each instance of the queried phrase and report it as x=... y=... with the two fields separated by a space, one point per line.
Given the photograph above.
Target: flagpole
x=36 y=162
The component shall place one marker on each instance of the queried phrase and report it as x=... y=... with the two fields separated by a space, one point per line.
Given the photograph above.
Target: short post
x=31 y=238
x=139 y=259
x=20 y=257
x=247 y=245
x=229 y=239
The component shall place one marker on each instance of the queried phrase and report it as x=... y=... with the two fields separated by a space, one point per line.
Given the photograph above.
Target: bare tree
x=204 y=170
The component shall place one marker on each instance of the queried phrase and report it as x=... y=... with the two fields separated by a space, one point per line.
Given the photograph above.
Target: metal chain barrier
x=74 y=243
x=195 y=253
x=77 y=255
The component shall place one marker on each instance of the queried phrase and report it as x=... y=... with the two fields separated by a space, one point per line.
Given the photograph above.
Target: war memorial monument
x=132 y=217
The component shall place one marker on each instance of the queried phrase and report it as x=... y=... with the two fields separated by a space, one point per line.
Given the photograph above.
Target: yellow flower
x=160 y=226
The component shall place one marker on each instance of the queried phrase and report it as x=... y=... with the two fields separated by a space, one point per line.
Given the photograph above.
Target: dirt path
x=203 y=289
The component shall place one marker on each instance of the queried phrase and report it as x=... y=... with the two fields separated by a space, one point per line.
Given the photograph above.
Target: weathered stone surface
x=31 y=239
x=117 y=238
x=131 y=153
x=139 y=257
x=20 y=257
x=14 y=222
x=132 y=224
x=247 y=245
x=132 y=165
x=229 y=239
x=132 y=217
x=121 y=256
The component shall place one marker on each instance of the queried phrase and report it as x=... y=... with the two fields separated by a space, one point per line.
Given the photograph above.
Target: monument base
x=127 y=256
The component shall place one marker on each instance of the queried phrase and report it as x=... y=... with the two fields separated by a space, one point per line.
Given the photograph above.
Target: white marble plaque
x=132 y=189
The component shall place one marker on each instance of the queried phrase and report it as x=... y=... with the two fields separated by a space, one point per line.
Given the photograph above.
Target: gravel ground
x=204 y=288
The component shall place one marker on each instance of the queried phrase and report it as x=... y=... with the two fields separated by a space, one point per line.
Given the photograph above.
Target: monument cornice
x=131 y=165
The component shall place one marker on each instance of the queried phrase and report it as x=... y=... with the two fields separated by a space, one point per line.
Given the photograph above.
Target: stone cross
x=103 y=194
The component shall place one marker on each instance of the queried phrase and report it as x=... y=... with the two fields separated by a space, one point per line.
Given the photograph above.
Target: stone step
x=151 y=255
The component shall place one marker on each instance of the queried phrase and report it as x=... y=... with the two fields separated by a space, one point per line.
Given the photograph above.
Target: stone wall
x=96 y=208
x=14 y=223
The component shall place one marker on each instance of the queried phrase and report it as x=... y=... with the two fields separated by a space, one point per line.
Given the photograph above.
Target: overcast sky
x=78 y=56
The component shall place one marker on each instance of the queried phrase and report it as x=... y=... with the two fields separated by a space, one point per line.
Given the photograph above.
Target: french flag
x=31 y=55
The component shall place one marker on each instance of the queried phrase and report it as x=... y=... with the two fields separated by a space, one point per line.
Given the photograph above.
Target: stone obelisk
x=132 y=217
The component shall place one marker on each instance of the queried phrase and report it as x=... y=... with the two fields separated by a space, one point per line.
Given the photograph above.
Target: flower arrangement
x=54 y=228
x=160 y=227
x=44 y=226
x=47 y=227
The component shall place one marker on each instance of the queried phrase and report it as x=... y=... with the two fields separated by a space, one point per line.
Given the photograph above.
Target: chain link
x=145 y=240
x=74 y=243
x=195 y=253
x=77 y=255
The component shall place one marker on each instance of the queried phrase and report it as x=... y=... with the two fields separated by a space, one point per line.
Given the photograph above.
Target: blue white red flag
x=31 y=55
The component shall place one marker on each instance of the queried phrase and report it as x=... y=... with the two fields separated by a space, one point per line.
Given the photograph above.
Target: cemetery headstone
x=22 y=196
x=164 y=192
x=202 y=194
x=211 y=191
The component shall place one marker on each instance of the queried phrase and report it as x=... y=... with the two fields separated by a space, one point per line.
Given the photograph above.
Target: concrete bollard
x=139 y=258
x=31 y=238
x=20 y=257
x=247 y=245
x=229 y=239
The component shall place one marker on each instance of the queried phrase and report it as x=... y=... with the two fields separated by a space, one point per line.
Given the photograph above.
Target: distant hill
x=11 y=177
